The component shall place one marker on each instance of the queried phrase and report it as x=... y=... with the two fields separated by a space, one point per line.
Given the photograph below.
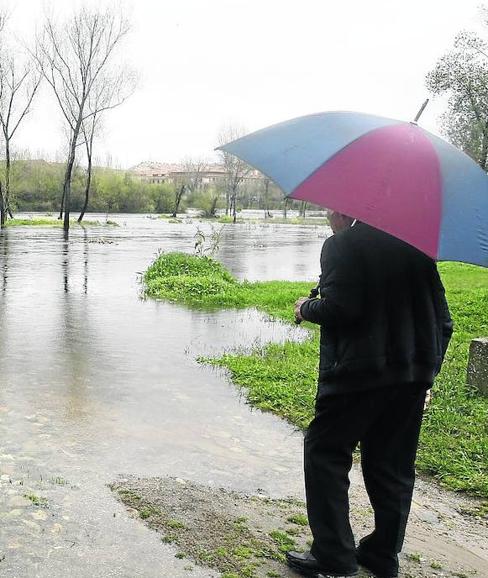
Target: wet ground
x=246 y=535
x=97 y=383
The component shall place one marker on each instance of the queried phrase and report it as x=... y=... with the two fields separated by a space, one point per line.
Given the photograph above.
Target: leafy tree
x=208 y=201
x=462 y=76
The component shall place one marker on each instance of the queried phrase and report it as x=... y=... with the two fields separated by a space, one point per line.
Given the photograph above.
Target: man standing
x=385 y=327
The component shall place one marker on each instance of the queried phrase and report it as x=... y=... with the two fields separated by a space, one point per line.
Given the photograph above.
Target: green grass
x=37 y=500
x=282 y=377
x=276 y=220
x=52 y=222
x=299 y=519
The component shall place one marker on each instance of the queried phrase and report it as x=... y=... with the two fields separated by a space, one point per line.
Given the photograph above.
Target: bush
x=182 y=264
x=187 y=277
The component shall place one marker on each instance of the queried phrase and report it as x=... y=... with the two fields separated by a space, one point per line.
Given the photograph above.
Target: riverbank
x=245 y=536
x=281 y=377
x=53 y=222
x=246 y=218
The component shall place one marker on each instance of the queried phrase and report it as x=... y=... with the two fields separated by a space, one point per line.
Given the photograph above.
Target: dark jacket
x=383 y=313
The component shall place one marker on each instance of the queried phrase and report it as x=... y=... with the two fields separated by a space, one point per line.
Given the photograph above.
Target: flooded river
x=96 y=382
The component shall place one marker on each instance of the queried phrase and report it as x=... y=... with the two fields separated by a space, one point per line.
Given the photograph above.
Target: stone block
x=478 y=364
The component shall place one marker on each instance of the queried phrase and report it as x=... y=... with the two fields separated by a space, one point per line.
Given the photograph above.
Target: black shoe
x=304 y=563
x=307 y=565
x=334 y=575
x=371 y=565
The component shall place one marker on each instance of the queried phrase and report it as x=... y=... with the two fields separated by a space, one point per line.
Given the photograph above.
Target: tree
x=235 y=169
x=189 y=181
x=77 y=60
x=265 y=184
x=207 y=201
x=17 y=91
x=462 y=75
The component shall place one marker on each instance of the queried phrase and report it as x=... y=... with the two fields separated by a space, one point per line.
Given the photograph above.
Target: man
x=385 y=327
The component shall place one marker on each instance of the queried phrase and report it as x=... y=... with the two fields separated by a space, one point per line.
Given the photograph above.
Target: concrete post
x=478 y=364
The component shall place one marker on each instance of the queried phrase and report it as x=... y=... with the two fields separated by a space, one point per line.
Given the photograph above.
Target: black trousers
x=386 y=422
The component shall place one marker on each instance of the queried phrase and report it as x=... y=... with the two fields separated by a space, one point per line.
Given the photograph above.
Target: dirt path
x=245 y=535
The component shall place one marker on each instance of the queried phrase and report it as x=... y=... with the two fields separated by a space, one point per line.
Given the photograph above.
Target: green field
x=282 y=378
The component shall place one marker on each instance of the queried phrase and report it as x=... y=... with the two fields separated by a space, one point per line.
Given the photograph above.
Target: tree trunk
x=6 y=201
x=266 y=200
x=87 y=185
x=2 y=209
x=61 y=208
x=178 y=197
x=227 y=202
x=69 y=172
x=285 y=208
x=67 y=185
x=484 y=150
x=234 y=207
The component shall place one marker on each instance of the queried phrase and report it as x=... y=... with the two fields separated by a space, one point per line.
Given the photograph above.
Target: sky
x=205 y=64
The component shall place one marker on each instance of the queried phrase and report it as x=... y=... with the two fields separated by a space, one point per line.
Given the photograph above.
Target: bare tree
x=17 y=91
x=265 y=184
x=77 y=60
x=110 y=92
x=236 y=170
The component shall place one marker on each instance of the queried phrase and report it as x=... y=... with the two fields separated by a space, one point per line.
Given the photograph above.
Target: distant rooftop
x=148 y=168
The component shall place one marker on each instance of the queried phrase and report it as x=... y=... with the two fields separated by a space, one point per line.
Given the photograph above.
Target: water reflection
x=4 y=248
x=65 y=264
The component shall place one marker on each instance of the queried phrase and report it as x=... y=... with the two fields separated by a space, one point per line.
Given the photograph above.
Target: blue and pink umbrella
x=390 y=174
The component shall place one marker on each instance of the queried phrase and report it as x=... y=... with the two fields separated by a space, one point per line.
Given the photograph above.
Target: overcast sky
x=206 y=63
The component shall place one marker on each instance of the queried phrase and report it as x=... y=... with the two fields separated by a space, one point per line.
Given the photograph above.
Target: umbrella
x=391 y=174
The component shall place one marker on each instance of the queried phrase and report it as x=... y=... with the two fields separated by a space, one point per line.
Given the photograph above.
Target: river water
x=96 y=382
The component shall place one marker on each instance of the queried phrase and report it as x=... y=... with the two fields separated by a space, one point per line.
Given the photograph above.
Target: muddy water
x=97 y=383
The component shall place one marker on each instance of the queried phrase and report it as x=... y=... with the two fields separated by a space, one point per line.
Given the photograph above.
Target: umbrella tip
x=419 y=114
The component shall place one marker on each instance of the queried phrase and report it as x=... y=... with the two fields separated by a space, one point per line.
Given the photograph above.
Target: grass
x=37 y=500
x=52 y=222
x=229 y=219
x=276 y=220
x=282 y=377
x=202 y=526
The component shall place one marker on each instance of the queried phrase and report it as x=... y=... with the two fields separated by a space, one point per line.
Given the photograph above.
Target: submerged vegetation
x=282 y=377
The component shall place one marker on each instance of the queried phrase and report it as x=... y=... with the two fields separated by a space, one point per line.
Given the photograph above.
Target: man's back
x=383 y=312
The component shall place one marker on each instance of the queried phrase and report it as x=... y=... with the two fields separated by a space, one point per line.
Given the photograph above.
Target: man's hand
x=298 y=304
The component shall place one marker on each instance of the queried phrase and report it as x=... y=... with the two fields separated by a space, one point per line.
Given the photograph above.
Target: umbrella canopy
x=390 y=174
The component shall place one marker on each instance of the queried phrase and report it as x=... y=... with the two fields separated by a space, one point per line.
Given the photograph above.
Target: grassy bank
x=282 y=378
x=223 y=220
x=52 y=222
x=276 y=220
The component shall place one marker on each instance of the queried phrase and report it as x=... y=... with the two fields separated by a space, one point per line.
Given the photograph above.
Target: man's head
x=338 y=221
